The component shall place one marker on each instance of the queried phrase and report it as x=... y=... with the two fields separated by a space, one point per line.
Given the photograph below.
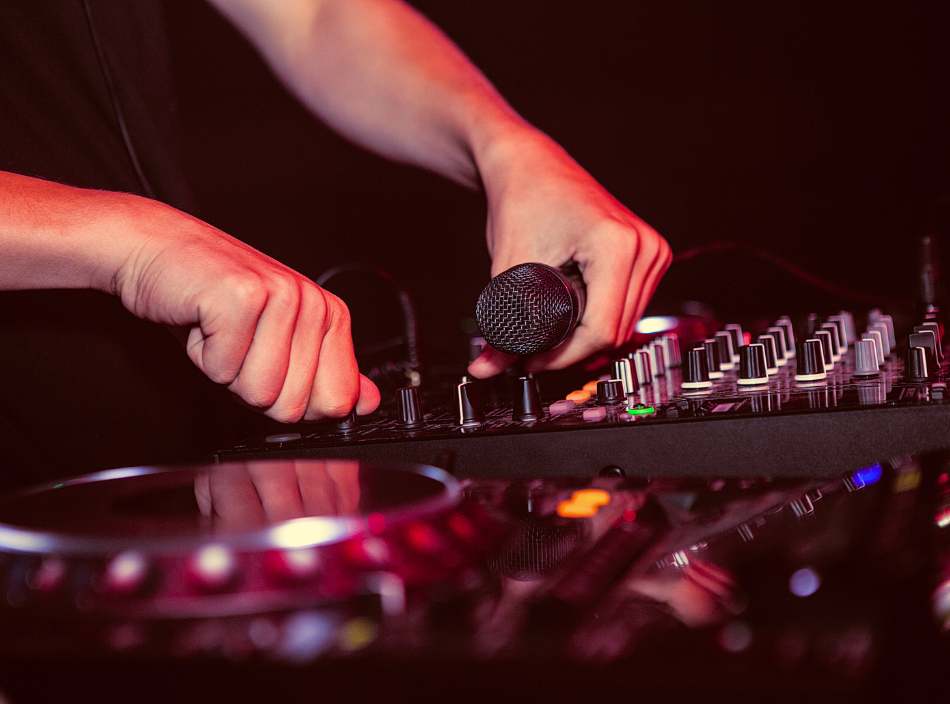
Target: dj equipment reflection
x=776 y=583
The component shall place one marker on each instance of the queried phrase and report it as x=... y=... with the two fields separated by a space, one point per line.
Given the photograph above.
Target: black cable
x=410 y=324
x=113 y=96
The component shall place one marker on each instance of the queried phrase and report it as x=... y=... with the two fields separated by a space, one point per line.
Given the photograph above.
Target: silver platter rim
x=298 y=533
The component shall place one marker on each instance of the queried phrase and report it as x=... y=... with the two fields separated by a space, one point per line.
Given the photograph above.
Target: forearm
x=55 y=236
x=380 y=73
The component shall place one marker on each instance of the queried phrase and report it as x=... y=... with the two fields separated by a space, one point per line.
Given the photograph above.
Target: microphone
x=531 y=308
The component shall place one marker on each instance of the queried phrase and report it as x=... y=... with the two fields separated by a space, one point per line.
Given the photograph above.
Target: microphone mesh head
x=526 y=310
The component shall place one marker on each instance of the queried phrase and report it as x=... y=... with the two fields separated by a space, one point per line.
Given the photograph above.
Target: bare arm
x=272 y=336
x=381 y=74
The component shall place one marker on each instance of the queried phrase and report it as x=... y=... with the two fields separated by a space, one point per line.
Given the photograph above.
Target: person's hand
x=545 y=208
x=279 y=342
x=253 y=495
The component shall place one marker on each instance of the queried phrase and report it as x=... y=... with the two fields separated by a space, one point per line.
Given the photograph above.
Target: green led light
x=57 y=486
x=641 y=411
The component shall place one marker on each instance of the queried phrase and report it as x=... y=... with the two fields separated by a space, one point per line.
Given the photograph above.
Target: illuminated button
x=49 y=575
x=293 y=564
x=583 y=503
x=595 y=414
x=423 y=538
x=578 y=396
x=641 y=410
x=559 y=407
x=214 y=566
x=126 y=572
x=590 y=387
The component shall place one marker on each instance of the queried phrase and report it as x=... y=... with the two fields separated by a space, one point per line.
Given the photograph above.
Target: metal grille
x=525 y=310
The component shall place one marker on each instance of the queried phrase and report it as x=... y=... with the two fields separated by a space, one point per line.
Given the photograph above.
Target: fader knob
x=610 y=391
x=865 y=358
x=738 y=339
x=928 y=340
x=696 y=373
x=408 y=410
x=915 y=364
x=832 y=330
x=468 y=404
x=810 y=361
x=878 y=339
x=771 y=363
x=713 y=360
x=752 y=365
x=726 y=351
x=623 y=370
x=826 y=353
x=527 y=401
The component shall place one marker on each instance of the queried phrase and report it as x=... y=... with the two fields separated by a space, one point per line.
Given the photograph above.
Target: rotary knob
x=623 y=370
x=832 y=330
x=347 y=424
x=726 y=351
x=865 y=358
x=878 y=339
x=641 y=364
x=610 y=392
x=752 y=365
x=713 y=360
x=468 y=404
x=928 y=340
x=527 y=401
x=738 y=339
x=915 y=364
x=696 y=374
x=785 y=323
x=771 y=358
x=825 y=337
x=810 y=363
x=408 y=409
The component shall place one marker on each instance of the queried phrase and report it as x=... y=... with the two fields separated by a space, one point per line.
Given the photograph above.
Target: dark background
x=817 y=131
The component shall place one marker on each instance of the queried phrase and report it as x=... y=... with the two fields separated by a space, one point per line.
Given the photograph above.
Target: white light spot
x=804 y=582
x=655 y=324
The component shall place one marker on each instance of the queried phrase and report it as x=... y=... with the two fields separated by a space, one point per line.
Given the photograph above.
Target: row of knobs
x=628 y=374
x=824 y=345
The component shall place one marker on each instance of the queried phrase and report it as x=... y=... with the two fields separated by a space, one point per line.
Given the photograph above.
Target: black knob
x=771 y=358
x=826 y=343
x=832 y=330
x=810 y=361
x=347 y=424
x=726 y=356
x=785 y=324
x=622 y=369
x=610 y=391
x=753 y=368
x=408 y=408
x=468 y=404
x=738 y=338
x=713 y=360
x=915 y=364
x=527 y=401
x=696 y=374
x=930 y=325
x=928 y=340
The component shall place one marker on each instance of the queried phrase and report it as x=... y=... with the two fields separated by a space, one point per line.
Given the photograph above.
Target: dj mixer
x=811 y=401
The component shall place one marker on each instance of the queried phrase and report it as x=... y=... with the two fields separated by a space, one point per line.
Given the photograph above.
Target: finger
x=490 y=362
x=316 y=488
x=336 y=386
x=276 y=486
x=346 y=480
x=651 y=281
x=309 y=328
x=203 y=494
x=369 y=397
x=233 y=498
x=265 y=365
x=219 y=343
x=648 y=267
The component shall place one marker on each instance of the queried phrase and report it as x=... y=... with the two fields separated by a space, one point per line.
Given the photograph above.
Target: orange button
x=583 y=504
x=578 y=396
x=590 y=387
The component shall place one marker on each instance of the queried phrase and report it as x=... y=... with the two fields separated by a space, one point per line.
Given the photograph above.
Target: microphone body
x=531 y=308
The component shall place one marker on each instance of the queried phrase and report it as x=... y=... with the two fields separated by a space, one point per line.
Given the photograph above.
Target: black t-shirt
x=86 y=99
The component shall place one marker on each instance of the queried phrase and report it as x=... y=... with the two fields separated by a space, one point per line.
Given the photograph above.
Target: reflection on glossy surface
x=245 y=496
